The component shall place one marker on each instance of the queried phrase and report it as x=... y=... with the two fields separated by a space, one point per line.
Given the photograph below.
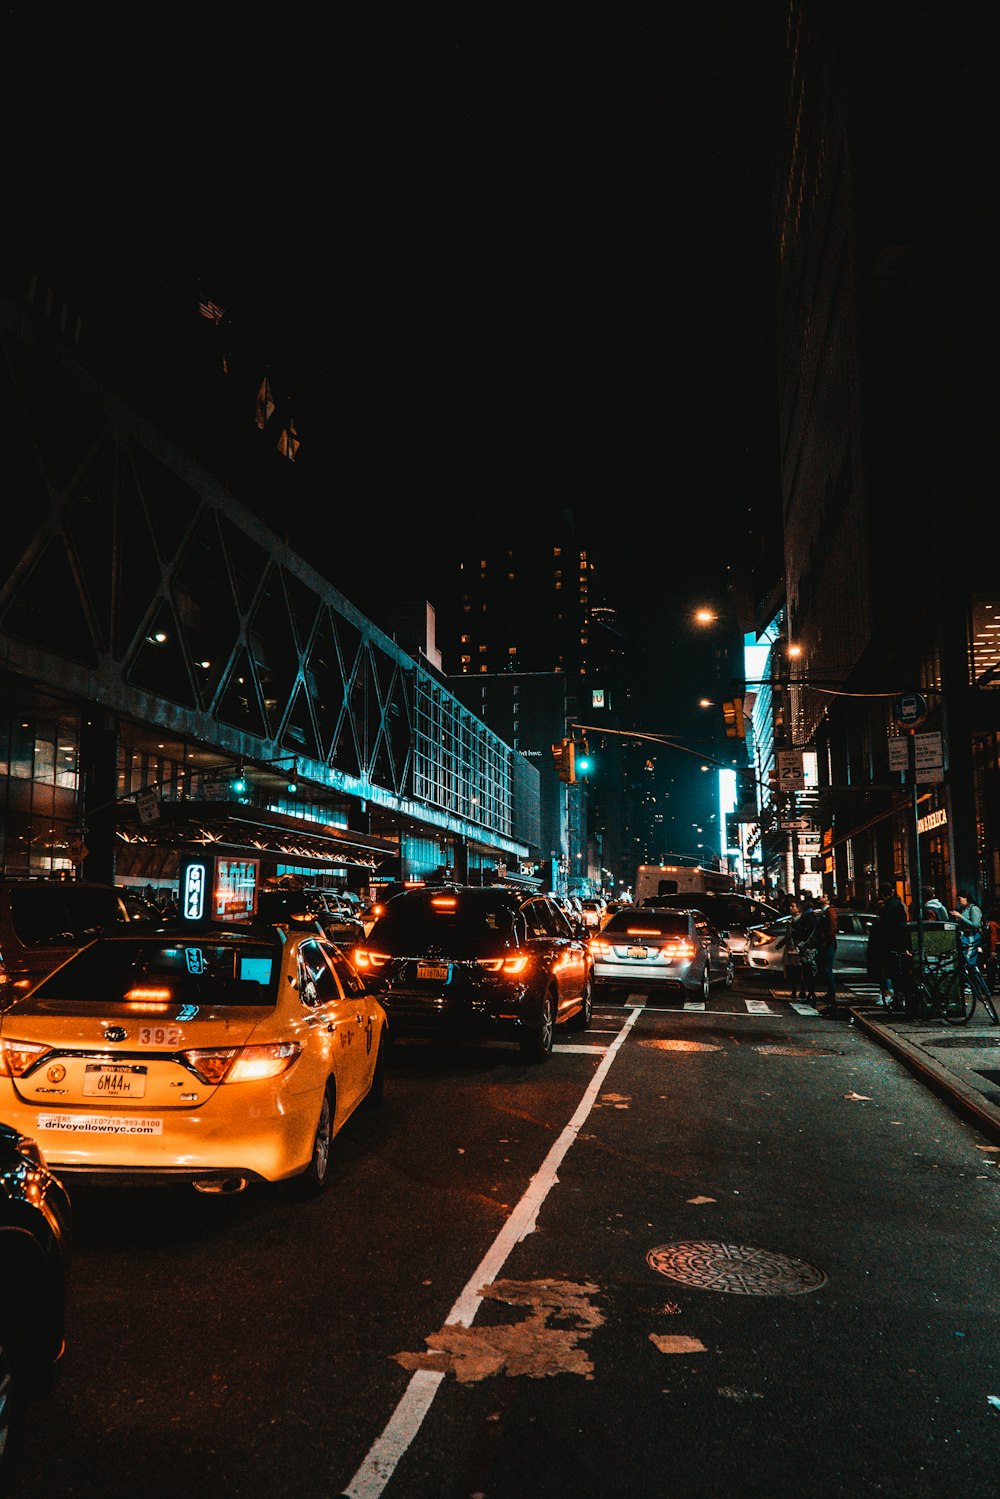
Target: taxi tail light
x=513 y=966
x=365 y=957
x=18 y=1057
x=242 y=1064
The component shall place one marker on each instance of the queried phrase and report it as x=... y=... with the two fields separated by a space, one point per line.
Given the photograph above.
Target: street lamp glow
x=705 y=616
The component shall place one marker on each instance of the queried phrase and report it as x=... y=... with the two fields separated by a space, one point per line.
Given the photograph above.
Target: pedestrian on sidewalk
x=826 y=950
x=932 y=908
x=890 y=936
x=792 y=956
x=969 y=920
x=804 y=932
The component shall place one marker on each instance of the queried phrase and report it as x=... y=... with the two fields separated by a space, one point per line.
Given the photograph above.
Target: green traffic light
x=583 y=764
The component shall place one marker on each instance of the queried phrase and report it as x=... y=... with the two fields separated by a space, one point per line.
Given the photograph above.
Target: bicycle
x=947 y=987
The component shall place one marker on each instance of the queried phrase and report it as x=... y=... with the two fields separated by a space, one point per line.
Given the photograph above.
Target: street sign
x=910 y=709
x=796 y=825
x=791 y=771
x=899 y=752
x=147 y=805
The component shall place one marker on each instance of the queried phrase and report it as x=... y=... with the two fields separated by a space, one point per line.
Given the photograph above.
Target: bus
x=677 y=879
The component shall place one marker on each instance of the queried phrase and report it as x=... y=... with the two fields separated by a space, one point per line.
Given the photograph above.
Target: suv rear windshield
x=63 y=915
x=173 y=971
x=664 y=923
x=465 y=925
x=731 y=912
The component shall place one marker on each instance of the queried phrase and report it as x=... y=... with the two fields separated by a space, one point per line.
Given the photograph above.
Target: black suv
x=35 y=1234
x=44 y=922
x=473 y=962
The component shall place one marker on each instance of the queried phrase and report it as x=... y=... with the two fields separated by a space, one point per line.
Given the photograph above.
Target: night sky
x=514 y=260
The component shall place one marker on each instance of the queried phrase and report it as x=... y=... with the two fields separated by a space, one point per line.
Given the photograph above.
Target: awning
x=252 y=832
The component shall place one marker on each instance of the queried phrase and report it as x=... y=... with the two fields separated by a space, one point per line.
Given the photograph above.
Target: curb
x=972 y=1106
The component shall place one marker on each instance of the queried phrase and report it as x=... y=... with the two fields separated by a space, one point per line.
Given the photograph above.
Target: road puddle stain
x=531 y=1347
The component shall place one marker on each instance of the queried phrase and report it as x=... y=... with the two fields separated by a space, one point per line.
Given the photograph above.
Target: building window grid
x=459 y=764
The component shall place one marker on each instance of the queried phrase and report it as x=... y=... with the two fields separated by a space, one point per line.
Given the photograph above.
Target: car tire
x=730 y=973
x=536 y=1043
x=581 y=1020
x=315 y=1178
x=10 y=1408
x=706 y=983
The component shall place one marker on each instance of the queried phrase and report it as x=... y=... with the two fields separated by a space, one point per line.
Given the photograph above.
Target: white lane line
x=592 y=1049
x=387 y=1449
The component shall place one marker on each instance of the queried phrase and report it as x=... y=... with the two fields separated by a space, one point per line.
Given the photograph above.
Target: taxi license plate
x=638 y=952
x=111 y=1080
x=433 y=973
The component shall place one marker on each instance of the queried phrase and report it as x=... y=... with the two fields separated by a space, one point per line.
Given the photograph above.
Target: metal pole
x=917 y=877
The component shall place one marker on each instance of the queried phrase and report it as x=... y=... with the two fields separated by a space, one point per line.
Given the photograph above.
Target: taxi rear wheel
x=317 y=1174
x=10 y=1405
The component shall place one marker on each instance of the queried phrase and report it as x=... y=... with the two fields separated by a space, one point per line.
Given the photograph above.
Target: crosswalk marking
x=758 y=1007
x=694 y=1004
x=803 y=1009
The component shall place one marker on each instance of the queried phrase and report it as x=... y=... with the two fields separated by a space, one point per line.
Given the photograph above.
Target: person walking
x=932 y=908
x=804 y=932
x=826 y=951
x=892 y=945
x=969 y=920
x=792 y=956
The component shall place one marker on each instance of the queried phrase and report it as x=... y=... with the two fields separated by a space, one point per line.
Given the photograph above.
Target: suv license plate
x=638 y=952
x=109 y=1080
x=433 y=973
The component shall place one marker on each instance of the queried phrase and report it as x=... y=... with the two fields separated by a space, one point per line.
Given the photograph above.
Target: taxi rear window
x=182 y=971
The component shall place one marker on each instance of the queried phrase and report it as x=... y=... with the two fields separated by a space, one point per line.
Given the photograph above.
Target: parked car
x=731 y=914
x=473 y=962
x=43 y=922
x=36 y=1228
x=645 y=948
x=766 y=945
x=218 y=1056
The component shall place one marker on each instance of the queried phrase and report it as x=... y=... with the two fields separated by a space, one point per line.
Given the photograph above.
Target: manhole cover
x=682 y=1045
x=964 y=1042
x=795 y=1051
x=736 y=1268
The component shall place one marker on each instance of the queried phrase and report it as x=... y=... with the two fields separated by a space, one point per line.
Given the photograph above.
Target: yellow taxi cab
x=218 y=1056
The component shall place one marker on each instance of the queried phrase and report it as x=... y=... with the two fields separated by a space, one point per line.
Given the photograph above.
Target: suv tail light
x=513 y=966
x=365 y=957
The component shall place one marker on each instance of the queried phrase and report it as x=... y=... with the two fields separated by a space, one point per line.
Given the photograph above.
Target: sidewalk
x=961 y=1063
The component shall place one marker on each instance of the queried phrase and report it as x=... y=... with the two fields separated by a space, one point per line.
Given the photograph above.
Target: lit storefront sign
x=935 y=819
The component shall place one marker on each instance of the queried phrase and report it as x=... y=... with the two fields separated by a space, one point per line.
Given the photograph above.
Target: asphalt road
x=741 y=1252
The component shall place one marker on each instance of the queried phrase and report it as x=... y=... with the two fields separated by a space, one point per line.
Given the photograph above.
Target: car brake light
x=18 y=1057
x=235 y=1064
x=444 y=903
x=364 y=957
x=599 y=947
x=512 y=966
x=679 y=950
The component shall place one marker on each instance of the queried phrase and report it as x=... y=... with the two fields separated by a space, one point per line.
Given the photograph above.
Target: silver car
x=766 y=945
x=660 y=949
